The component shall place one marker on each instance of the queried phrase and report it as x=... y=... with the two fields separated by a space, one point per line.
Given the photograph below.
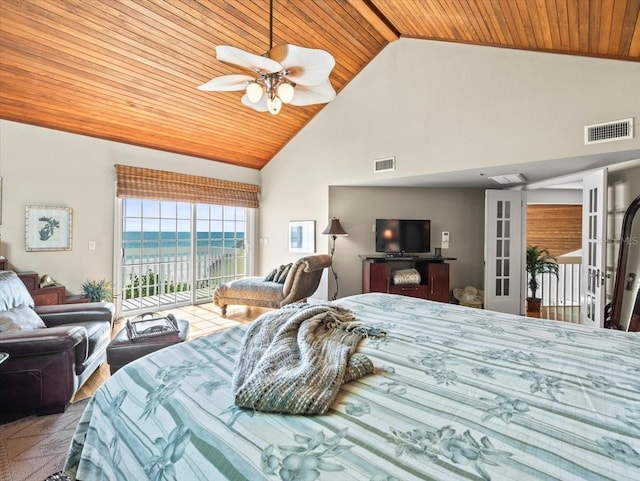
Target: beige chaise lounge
x=301 y=281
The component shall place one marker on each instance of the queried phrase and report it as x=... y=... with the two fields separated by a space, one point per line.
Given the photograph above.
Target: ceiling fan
x=287 y=74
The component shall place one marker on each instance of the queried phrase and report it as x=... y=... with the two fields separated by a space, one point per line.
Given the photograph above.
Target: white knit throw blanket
x=295 y=359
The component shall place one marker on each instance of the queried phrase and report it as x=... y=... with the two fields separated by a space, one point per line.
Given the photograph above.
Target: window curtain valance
x=143 y=183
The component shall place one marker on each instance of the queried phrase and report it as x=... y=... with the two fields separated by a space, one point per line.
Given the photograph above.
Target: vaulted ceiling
x=127 y=70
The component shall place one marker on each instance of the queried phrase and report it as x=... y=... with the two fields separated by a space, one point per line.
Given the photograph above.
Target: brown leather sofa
x=47 y=365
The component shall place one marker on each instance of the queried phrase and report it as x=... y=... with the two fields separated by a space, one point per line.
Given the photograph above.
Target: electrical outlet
x=92 y=245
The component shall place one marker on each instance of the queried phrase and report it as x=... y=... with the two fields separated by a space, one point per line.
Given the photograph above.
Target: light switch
x=92 y=245
x=445 y=240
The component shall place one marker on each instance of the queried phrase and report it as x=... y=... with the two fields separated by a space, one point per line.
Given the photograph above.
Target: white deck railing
x=151 y=282
x=564 y=290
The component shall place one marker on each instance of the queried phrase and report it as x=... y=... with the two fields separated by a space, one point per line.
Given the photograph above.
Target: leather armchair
x=47 y=366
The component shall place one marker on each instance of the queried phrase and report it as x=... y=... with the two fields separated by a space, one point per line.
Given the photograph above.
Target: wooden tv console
x=377 y=276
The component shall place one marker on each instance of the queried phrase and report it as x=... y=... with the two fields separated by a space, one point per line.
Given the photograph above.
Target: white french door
x=504 y=251
x=594 y=235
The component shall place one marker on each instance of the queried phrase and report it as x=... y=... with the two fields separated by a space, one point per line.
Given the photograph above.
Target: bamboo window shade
x=143 y=183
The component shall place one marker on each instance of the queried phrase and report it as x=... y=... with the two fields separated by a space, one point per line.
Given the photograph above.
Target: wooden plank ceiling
x=127 y=70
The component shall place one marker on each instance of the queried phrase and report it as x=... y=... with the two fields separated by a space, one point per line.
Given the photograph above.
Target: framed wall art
x=48 y=228
x=302 y=236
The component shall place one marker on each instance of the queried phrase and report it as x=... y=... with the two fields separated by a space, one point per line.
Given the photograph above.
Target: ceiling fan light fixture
x=285 y=91
x=254 y=92
x=287 y=74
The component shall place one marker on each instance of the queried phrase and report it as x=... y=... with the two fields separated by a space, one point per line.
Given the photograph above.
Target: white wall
x=52 y=168
x=441 y=107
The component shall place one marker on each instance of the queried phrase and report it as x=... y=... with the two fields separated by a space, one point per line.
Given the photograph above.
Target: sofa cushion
x=98 y=334
x=20 y=318
x=13 y=292
x=249 y=288
x=97 y=340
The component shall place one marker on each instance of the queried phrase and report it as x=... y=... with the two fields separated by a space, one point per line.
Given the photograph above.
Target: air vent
x=608 y=131
x=384 y=165
x=509 y=179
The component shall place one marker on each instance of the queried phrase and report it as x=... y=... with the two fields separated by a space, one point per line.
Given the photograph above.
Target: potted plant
x=539 y=261
x=97 y=291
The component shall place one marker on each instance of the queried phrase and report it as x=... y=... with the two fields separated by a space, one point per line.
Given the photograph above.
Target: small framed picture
x=302 y=236
x=48 y=228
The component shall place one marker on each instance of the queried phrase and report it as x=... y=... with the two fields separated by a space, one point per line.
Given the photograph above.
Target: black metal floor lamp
x=334 y=229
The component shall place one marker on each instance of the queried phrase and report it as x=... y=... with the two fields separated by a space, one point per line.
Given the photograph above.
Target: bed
x=458 y=394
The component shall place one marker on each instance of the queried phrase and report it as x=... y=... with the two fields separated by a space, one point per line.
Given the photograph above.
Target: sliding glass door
x=176 y=253
x=221 y=241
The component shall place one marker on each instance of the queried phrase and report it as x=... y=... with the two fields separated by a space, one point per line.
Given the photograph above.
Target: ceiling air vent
x=509 y=179
x=608 y=131
x=384 y=165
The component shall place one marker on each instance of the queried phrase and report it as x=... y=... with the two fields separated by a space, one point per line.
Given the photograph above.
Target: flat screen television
x=400 y=236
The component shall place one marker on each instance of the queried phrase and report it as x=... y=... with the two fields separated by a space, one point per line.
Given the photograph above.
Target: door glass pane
x=167 y=209
x=498 y=267
x=132 y=208
x=499 y=211
x=499 y=229
x=507 y=209
x=151 y=208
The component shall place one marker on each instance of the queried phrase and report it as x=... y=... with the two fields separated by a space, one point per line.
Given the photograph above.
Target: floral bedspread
x=459 y=393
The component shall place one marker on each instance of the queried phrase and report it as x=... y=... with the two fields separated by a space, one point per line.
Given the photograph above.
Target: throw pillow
x=13 y=292
x=20 y=319
x=283 y=274
x=271 y=276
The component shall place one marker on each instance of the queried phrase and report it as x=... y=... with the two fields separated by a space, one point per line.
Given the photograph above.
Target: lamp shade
x=334 y=228
x=285 y=92
x=254 y=92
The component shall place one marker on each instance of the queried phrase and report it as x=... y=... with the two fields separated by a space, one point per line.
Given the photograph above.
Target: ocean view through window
x=176 y=253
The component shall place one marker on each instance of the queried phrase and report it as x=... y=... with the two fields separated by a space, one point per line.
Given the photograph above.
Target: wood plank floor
x=558 y=313
x=203 y=319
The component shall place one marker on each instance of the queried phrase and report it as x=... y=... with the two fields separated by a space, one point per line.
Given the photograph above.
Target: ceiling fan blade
x=235 y=56
x=227 y=83
x=260 y=105
x=308 y=66
x=318 y=94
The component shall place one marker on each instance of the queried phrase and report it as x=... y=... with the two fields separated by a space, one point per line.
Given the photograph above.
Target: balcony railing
x=155 y=283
